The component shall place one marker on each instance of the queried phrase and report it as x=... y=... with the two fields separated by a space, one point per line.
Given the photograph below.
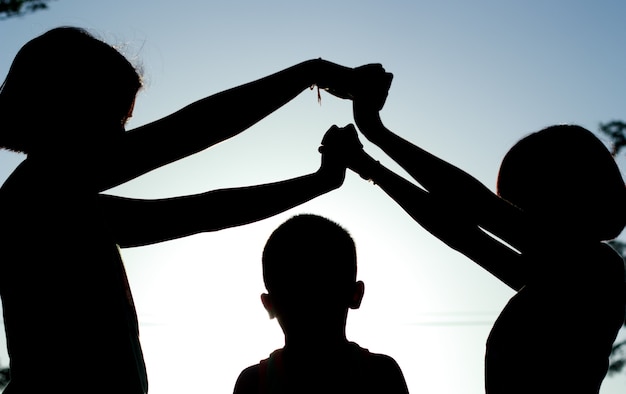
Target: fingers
x=328 y=137
x=374 y=84
x=367 y=82
x=339 y=139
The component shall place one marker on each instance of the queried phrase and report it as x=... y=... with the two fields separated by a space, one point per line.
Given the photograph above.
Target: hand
x=369 y=82
x=341 y=147
x=367 y=105
x=334 y=162
x=338 y=142
x=373 y=86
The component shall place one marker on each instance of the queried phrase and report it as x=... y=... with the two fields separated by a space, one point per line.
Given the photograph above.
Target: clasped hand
x=369 y=83
x=368 y=87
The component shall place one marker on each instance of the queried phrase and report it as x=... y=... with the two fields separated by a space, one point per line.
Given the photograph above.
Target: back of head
x=310 y=254
x=566 y=175
x=63 y=76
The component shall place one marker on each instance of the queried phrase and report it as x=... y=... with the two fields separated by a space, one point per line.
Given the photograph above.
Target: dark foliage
x=617 y=361
x=616 y=131
x=12 y=8
x=5 y=376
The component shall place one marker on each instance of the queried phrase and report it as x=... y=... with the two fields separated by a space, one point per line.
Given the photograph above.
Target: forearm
x=218 y=117
x=434 y=174
x=227 y=113
x=456 y=229
x=462 y=193
x=141 y=222
x=235 y=207
x=417 y=202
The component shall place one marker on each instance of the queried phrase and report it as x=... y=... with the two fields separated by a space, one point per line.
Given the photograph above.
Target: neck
x=315 y=341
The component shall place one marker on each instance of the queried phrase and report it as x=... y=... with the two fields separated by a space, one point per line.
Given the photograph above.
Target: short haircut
x=309 y=248
x=566 y=171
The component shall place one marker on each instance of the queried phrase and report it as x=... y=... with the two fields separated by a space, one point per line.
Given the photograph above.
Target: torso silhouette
x=554 y=335
x=350 y=370
x=68 y=310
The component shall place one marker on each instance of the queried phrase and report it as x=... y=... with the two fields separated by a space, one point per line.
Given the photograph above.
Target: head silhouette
x=309 y=270
x=565 y=175
x=61 y=80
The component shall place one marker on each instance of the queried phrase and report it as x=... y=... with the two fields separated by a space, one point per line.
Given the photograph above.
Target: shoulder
x=596 y=264
x=604 y=269
x=248 y=380
x=383 y=363
x=385 y=374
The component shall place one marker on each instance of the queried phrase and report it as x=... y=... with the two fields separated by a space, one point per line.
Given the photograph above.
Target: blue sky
x=470 y=79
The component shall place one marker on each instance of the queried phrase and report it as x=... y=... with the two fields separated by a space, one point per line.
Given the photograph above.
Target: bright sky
x=470 y=79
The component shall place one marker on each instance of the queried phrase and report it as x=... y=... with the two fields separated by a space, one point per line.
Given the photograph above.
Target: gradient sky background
x=471 y=78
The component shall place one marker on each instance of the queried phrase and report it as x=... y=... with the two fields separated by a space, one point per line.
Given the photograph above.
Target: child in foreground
x=309 y=270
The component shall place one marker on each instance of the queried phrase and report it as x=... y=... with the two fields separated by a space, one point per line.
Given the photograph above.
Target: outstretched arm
x=139 y=222
x=441 y=217
x=221 y=116
x=460 y=191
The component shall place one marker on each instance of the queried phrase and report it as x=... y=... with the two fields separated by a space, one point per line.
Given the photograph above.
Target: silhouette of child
x=68 y=312
x=560 y=195
x=309 y=271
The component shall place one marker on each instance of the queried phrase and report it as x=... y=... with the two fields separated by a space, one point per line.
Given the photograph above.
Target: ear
x=357 y=295
x=266 y=300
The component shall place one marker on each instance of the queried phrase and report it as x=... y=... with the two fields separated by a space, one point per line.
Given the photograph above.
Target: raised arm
x=460 y=191
x=139 y=222
x=223 y=115
x=441 y=217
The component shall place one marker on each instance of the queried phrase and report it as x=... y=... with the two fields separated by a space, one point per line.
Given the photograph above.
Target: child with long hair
x=70 y=321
